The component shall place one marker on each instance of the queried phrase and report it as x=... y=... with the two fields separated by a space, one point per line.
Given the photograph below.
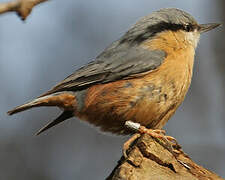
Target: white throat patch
x=193 y=38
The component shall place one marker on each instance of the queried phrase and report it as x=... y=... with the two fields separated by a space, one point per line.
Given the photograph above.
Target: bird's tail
x=63 y=100
x=64 y=116
x=56 y=99
x=34 y=103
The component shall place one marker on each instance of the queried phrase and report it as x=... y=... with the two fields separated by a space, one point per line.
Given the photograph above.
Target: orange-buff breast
x=149 y=100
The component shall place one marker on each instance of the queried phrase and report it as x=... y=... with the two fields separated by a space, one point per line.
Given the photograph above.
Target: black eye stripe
x=163 y=26
x=189 y=27
x=152 y=30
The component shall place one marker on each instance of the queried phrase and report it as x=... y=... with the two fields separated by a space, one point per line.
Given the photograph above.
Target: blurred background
x=60 y=36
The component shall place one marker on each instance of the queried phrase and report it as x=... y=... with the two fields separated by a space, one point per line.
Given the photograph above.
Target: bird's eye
x=188 y=27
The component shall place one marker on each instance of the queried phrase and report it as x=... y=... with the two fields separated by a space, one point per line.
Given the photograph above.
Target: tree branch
x=150 y=158
x=22 y=7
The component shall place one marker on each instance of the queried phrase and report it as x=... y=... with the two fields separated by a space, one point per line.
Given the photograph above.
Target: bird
x=140 y=79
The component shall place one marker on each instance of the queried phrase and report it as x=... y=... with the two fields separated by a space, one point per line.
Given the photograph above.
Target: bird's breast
x=150 y=99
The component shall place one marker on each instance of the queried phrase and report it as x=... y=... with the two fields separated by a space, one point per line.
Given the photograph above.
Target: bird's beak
x=207 y=27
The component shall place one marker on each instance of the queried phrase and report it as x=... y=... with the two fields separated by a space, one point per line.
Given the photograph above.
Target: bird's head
x=168 y=20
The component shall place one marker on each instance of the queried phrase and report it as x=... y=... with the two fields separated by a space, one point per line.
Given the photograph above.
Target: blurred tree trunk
x=149 y=158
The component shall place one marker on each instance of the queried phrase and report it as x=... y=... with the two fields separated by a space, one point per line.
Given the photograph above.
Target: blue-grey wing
x=119 y=61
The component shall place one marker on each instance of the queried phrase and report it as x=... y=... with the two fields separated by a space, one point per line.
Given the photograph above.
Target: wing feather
x=117 y=62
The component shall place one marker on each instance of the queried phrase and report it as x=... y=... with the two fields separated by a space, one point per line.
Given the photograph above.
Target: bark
x=150 y=159
x=22 y=7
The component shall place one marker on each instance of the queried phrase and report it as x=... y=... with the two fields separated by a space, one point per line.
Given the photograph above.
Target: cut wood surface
x=150 y=159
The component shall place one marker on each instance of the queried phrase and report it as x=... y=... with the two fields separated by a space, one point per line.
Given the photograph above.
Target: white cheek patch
x=193 y=38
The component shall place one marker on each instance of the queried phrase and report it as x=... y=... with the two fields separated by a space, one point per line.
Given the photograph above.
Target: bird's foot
x=171 y=142
x=128 y=143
